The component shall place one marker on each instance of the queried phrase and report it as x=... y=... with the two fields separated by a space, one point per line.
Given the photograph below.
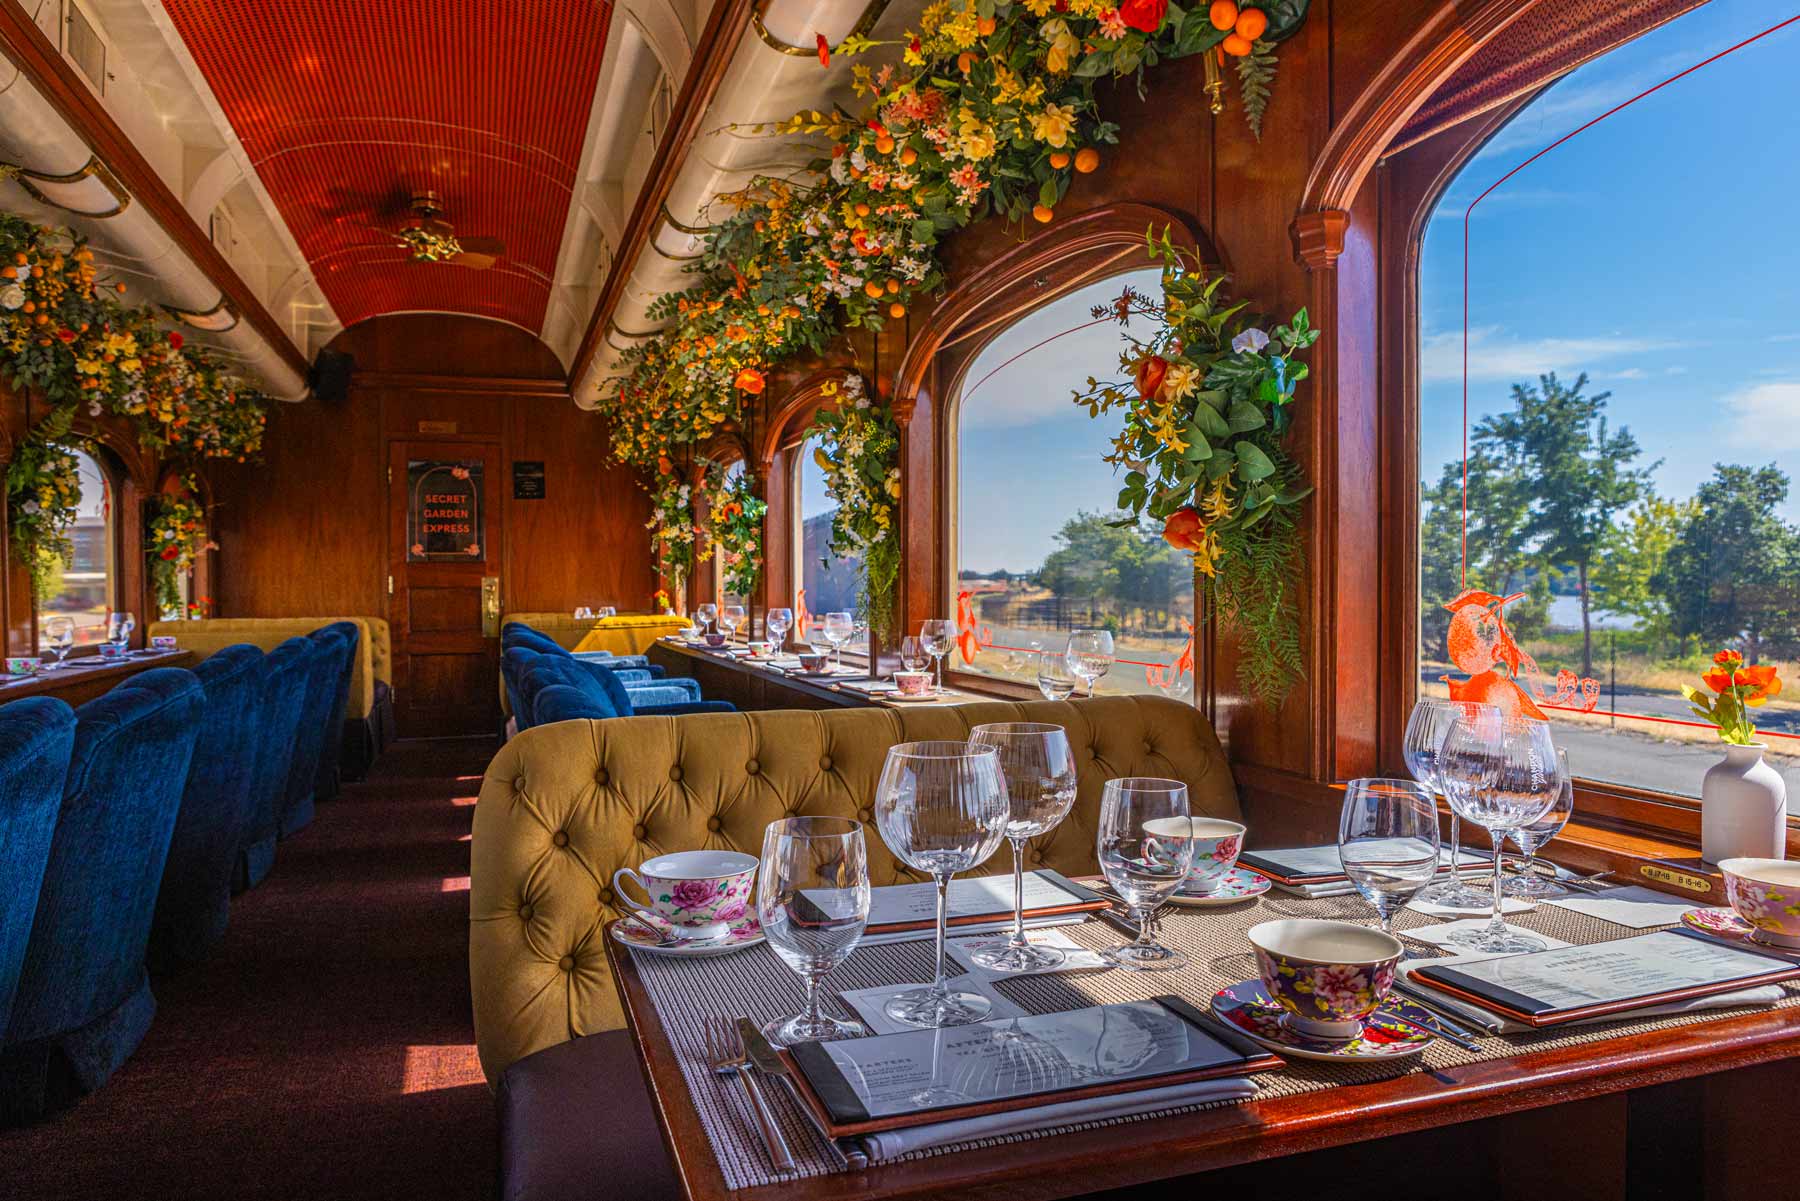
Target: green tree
x=1633 y=555
x=1580 y=473
x=1499 y=546
x=1726 y=577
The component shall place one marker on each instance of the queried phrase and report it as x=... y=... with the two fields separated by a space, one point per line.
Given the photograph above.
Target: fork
x=725 y=1056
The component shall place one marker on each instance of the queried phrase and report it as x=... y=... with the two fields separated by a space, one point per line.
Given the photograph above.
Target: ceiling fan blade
x=474 y=262
x=490 y=247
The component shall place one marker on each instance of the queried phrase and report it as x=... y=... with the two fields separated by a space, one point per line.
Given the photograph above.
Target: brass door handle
x=490 y=606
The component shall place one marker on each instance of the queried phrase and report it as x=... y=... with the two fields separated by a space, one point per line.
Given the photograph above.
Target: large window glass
x=1037 y=550
x=81 y=586
x=831 y=582
x=1610 y=424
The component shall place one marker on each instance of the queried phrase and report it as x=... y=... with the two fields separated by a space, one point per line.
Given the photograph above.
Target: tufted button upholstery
x=740 y=771
x=566 y=963
x=560 y=838
x=525 y=913
x=675 y=772
x=824 y=762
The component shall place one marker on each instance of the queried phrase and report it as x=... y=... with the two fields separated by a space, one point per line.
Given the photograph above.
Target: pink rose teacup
x=699 y=893
x=1217 y=843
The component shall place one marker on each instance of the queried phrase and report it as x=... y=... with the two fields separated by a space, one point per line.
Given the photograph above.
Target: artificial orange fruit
x=862 y=210
x=884 y=145
x=896 y=309
x=1059 y=160
x=986 y=25
x=1235 y=45
x=874 y=290
x=965 y=61
x=909 y=156
x=1043 y=212
x=893 y=285
x=1252 y=23
x=1087 y=160
x=1224 y=14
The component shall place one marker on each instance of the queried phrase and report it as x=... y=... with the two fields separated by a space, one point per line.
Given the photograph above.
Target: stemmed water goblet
x=731 y=617
x=1039 y=768
x=1145 y=846
x=59 y=635
x=1425 y=730
x=707 y=615
x=1388 y=842
x=1501 y=774
x=1055 y=678
x=777 y=622
x=1090 y=655
x=912 y=654
x=812 y=901
x=941 y=808
x=1530 y=883
x=937 y=635
x=836 y=629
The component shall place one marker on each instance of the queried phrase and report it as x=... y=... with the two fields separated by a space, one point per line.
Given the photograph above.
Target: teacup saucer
x=907 y=699
x=1724 y=923
x=1238 y=884
x=745 y=932
x=1248 y=1008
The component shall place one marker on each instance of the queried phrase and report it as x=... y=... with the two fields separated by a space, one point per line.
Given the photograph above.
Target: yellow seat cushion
x=374 y=648
x=563 y=806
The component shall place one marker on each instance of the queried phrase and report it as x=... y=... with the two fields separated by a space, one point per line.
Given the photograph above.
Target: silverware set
x=735 y=1047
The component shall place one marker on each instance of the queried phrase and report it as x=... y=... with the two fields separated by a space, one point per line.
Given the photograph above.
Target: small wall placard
x=528 y=479
x=443 y=518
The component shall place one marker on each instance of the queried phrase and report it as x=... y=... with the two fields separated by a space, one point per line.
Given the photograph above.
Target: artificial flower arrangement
x=671 y=525
x=43 y=491
x=736 y=527
x=1205 y=413
x=175 y=538
x=859 y=452
x=1734 y=688
x=428 y=246
x=991 y=109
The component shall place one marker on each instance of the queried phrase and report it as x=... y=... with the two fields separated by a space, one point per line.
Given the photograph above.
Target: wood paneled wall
x=305 y=531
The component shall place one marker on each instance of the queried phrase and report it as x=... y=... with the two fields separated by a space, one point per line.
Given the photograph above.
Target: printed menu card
x=976 y=900
x=1547 y=988
x=863 y=1085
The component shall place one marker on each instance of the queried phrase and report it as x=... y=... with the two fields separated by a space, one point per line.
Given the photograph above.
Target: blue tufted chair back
x=331 y=751
x=309 y=745
x=283 y=697
x=217 y=808
x=84 y=999
x=559 y=702
x=513 y=662
x=604 y=694
x=36 y=737
x=516 y=634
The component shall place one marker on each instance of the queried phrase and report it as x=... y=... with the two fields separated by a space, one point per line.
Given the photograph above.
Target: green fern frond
x=1256 y=71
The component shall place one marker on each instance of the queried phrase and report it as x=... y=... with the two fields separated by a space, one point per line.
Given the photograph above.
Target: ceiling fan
x=429 y=238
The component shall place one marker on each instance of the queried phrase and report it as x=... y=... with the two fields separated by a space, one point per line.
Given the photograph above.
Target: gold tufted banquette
x=563 y=806
x=374 y=651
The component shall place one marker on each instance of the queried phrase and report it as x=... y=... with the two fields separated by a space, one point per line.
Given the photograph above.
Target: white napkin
x=1443 y=934
x=930 y=932
x=1076 y=958
x=894 y=1143
x=1507 y=905
x=1633 y=906
x=868 y=1002
x=1331 y=888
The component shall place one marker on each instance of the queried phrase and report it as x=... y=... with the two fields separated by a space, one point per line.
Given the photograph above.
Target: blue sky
x=1654 y=251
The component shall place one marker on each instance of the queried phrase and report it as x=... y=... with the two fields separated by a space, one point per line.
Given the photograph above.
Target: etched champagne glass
x=707 y=615
x=778 y=622
x=837 y=630
x=812 y=901
x=1039 y=768
x=937 y=636
x=1501 y=774
x=941 y=808
x=1425 y=730
x=731 y=617
x=59 y=636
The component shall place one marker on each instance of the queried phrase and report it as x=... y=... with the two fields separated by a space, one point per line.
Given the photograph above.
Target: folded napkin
x=1633 y=905
x=1493 y=1023
x=1330 y=888
x=894 y=1143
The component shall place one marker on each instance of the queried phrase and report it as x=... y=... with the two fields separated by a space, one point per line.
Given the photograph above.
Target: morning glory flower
x=1252 y=340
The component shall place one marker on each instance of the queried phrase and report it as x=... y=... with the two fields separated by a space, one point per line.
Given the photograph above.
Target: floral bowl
x=1766 y=893
x=1328 y=976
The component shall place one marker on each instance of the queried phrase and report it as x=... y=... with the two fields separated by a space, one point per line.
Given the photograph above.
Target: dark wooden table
x=1702 y=1110
x=723 y=678
x=77 y=685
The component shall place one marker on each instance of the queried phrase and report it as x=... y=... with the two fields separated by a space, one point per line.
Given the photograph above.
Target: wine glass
x=59 y=635
x=1425 y=730
x=707 y=615
x=1090 y=655
x=1145 y=846
x=941 y=808
x=1501 y=774
x=1388 y=842
x=1039 y=768
x=583 y=613
x=812 y=900
x=731 y=617
x=607 y=611
x=1530 y=884
x=1055 y=678
x=777 y=622
x=115 y=628
x=837 y=630
x=912 y=654
x=937 y=635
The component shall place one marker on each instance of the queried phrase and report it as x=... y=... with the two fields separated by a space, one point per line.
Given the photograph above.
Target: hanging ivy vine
x=859 y=452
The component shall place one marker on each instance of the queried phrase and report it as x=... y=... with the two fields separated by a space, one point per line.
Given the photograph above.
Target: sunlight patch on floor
x=454 y=884
x=429 y=1068
x=463 y=802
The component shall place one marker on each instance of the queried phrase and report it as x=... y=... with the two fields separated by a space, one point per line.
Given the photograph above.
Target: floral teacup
x=1766 y=893
x=913 y=683
x=23 y=665
x=700 y=893
x=163 y=642
x=1329 y=976
x=1217 y=843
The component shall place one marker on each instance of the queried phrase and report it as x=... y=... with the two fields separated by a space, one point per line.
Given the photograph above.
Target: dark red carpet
x=326 y=1050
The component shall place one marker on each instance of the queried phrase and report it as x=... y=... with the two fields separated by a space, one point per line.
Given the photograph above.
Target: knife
x=765 y=1059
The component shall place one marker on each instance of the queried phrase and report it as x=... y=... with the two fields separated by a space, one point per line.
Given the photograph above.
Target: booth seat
x=369 y=704
x=84 y=1001
x=324 y=671
x=633 y=670
x=283 y=698
x=37 y=736
x=624 y=634
x=563 y=806
x=524 y=673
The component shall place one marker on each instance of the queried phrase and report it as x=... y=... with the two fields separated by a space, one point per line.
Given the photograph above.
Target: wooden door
x=444 y=555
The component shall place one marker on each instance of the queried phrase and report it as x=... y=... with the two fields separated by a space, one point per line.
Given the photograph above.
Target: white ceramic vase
x=1743 y=807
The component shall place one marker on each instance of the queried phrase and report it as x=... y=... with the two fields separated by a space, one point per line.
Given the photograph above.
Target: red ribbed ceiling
x=347 y=109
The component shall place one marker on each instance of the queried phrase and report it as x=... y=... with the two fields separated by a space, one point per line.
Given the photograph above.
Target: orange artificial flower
x=1716 y=679
x=750 y=380
x=1184 y=530
x=1762 y=681
x=1727 y=658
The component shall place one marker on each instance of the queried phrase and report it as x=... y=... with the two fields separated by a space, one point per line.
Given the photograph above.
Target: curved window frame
x=113 y=479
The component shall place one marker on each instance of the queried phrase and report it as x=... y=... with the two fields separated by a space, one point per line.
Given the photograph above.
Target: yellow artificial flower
x=1178 y=382
x=1065 y=47
x=975 y=139
x=1039 y=8
x=1054 y=125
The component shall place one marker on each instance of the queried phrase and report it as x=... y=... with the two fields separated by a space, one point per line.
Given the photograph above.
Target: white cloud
x=1628 y=373
x=1453 y=207
x=1765 y=417
x=1492 y=356
x=1784 y=337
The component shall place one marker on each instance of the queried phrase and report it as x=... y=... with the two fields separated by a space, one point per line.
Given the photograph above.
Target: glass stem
x=1497 y=923
x=938 y=987
x=1018 y=934
x=1143 y=938
x=812 y=1001
x=1455 y=849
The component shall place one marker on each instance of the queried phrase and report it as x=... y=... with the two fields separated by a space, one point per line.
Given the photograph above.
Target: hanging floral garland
x=1205 y=414
x=175 y=539
x=737 y=521
x=673 y=536
x=43 y=491
x=990 y=110
x=859 y=452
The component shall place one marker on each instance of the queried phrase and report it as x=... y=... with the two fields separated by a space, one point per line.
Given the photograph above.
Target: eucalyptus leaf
x=1244 y=417
x=1208 y=422
x=1253 y=464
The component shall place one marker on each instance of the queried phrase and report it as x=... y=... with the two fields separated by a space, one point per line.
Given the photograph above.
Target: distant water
x=1565 y=614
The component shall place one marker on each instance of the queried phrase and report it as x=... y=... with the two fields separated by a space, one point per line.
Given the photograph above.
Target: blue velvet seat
x=285 y=671
x=36 y=737
x=532 y=672
x=517 y=633
x=217 y=809
x=84 y=999
x=309 y=742
x=325 y=786
x=551 y=691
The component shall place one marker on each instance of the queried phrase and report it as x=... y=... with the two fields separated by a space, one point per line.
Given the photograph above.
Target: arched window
x=86 y=586
x=1036 y=553
x=1608 y=433
x=734 y=472
x=831 y=582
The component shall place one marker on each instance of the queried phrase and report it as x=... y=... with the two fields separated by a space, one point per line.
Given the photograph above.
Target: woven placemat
x=756 y=984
